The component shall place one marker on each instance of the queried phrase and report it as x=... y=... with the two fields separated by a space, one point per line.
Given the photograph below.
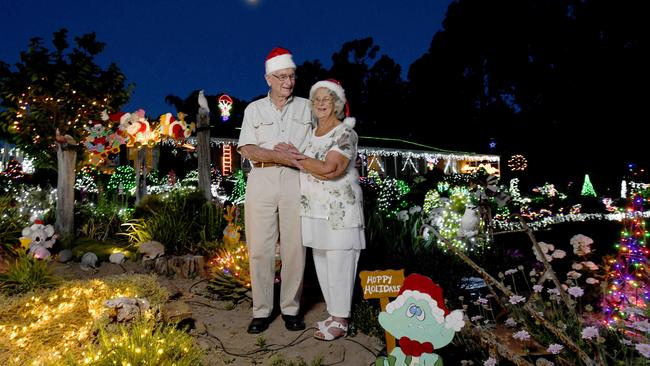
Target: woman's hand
x=288 y=155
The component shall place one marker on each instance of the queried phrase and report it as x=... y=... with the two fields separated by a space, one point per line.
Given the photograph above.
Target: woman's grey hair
x=339 y=106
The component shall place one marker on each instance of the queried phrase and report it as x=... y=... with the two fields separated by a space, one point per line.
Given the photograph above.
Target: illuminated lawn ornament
x=420 y=321
x=225 y=105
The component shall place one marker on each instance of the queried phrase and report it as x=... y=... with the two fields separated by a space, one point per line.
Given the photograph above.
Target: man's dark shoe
x=258 y=325
x=293 y=322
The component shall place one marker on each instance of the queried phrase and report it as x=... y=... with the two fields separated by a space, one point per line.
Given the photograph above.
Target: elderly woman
x=331 y=204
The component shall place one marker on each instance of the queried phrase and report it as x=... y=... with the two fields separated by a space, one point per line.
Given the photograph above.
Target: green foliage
x=142 y=343
x=364 y=319
x=27 y=274
x=11 y=224
x=99 y=220
x=228 y=287
x=278 y=360
x=184 y=222
x=60 y=88
x=239 y=191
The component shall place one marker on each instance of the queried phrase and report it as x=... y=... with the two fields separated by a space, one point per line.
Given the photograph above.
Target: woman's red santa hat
x=279 y=58
x=335 y=86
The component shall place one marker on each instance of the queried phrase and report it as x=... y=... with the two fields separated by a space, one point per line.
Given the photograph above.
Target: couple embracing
x=303 y=191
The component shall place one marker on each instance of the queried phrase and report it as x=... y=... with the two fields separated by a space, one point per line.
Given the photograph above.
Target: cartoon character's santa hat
x=279 y=58
x=420 y=287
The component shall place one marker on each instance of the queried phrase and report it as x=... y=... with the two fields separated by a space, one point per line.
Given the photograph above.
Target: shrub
x=184 y=222
x=27 y=274
x=99 y=221
x=11 y=224
x=142 y=342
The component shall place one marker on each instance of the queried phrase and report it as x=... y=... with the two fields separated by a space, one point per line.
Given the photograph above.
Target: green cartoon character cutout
x=420 y=321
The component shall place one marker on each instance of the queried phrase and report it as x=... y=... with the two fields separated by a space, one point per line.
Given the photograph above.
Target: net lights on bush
x=86 y=180
x=123 y=180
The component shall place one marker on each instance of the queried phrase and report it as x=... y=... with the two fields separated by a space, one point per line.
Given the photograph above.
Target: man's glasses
x=285 y=78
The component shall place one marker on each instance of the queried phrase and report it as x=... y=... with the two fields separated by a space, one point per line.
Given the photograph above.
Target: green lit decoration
x=239 y=191
x=191 y=179
x=391 y=193
x=588 y=188
x=123 y=180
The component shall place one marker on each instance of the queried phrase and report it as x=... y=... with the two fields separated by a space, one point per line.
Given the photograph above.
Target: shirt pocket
x=265 y=131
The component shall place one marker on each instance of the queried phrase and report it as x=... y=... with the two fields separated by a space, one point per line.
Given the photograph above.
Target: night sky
x=175 y=47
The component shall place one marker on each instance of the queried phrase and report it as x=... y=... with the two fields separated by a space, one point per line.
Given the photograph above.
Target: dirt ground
x=221 y=329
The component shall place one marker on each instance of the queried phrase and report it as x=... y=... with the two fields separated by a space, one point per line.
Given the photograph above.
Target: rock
x=117 y=258
x=89 y=261
x=176 y=311
x=187 y=266
x=126 y=308
x=65 y=255
x=151 y=250
x=200 y=327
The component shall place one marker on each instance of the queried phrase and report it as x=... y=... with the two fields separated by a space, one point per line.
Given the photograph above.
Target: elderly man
x=272 y=207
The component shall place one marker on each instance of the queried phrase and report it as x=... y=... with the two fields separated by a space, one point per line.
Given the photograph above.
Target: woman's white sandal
x=321 y=324
x=327 y=336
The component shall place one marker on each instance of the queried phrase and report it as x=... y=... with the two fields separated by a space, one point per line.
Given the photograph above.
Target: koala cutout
x=38 y=238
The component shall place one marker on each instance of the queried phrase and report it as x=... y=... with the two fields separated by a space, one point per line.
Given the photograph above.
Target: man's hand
x=289 y=155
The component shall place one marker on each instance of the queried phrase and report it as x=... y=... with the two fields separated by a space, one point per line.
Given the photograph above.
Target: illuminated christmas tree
x=239 y=191
x=628 y=284
x=123 y=180
x=588 y=188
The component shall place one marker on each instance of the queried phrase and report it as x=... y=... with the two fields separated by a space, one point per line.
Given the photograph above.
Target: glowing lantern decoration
x=225 y=105
x=518 y=163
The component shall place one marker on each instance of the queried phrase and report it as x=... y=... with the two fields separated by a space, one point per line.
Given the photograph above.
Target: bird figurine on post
x=203 y=103
x=64 y=139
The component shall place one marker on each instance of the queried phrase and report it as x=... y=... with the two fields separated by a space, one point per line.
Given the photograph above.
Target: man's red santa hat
x=279 y=58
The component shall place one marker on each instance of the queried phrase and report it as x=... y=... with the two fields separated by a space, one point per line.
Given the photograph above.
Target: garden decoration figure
x=421 y=322
x=231 y=233
x=176 y=129
x=272 y=204
x=203 y=102
x=469 y=223
x=38 y=238
x=225 y=105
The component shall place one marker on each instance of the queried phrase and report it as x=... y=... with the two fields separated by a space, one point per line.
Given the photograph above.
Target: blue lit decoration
x=493 y=143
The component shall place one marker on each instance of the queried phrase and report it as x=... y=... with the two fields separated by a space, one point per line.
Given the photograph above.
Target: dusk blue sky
x=175 y=47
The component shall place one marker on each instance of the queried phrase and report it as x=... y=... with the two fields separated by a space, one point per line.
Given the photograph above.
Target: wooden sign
x=382 y=285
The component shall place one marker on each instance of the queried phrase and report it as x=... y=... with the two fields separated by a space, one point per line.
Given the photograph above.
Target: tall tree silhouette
x=544 y=71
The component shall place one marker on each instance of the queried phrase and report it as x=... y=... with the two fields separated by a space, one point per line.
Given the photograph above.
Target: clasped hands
x=289 y=155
